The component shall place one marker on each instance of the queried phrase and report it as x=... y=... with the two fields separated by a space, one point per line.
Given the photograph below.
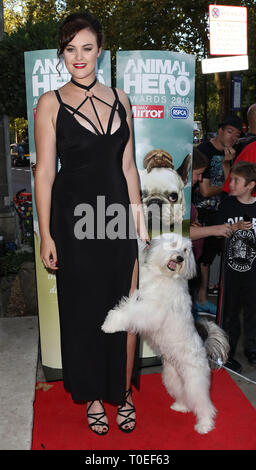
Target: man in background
x=246 y=146
x=251 y=134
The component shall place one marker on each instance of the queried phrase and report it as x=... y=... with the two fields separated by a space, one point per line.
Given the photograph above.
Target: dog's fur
x=161 y=311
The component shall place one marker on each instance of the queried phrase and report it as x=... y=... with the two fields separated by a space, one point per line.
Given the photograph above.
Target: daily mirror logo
x=148 y=111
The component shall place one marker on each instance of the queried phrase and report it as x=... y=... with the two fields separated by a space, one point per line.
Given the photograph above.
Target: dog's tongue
x=172 y=264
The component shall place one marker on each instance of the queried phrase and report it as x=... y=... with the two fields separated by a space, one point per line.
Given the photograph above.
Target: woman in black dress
x=86 y=224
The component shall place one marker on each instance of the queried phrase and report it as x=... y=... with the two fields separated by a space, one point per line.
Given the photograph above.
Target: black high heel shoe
x=97 y=419
x=126 y=414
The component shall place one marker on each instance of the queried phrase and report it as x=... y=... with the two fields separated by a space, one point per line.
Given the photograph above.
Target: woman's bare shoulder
x=122 y=95
x=48 y=105
x=47 y=99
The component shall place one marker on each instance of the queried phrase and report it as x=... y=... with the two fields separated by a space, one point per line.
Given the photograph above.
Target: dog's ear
x=184 y=168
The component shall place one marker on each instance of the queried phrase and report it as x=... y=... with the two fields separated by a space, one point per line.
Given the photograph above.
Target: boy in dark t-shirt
x=215 y=174
x=239 y=210
x=207 y=196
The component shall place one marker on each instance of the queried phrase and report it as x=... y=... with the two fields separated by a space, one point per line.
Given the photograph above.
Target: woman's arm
x=132 y=176
x=45 y=140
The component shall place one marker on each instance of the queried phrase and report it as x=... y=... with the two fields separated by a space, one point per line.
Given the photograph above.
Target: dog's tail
x=215 y=342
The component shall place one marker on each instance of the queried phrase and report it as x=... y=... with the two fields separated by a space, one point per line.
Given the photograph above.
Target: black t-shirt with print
x=240 y=258
x=214 y=172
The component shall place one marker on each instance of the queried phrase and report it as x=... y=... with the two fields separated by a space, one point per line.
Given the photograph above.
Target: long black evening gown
x=95 y=271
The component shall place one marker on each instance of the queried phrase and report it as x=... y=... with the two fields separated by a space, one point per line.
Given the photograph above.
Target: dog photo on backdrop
x=160 y=310
x=163 y=187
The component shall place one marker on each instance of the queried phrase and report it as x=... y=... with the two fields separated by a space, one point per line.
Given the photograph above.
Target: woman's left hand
x=146 y=240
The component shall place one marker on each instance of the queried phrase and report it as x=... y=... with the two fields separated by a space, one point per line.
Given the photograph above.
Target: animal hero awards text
x=49 y=74
x=158 y=88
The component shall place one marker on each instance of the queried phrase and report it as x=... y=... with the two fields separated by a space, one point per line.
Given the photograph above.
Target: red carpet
x=59 y=424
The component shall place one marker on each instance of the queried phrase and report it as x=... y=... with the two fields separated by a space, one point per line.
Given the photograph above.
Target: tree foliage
x=41 y=35
x=128 y=25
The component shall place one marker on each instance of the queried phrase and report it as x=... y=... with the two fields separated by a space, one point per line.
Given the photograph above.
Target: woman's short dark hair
x=75 y=23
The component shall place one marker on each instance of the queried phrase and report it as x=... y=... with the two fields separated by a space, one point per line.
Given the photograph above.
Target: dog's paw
x=179 y=407
x=113 y=322
x=204 y=426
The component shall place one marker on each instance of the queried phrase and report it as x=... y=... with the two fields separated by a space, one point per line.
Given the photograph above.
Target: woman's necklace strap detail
x=85 y=87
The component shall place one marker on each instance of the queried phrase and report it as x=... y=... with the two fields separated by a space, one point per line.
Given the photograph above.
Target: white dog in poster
x=161 y=311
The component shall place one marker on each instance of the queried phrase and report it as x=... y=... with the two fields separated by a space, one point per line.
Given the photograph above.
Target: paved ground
x=18 y=369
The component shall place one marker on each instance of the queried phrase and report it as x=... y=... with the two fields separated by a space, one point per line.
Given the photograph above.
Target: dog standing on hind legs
x=161 y=312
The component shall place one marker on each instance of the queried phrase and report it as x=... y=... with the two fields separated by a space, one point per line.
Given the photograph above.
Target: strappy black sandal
x=97 y=419
x=126 y=414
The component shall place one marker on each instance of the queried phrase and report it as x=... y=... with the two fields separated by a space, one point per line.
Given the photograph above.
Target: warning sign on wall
x=228 y=30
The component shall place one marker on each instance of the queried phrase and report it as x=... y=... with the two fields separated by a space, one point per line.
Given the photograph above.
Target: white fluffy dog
x=161 y=311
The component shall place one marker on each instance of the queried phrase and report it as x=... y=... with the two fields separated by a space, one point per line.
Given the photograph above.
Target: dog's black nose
x=156 y=201
x=179 y=259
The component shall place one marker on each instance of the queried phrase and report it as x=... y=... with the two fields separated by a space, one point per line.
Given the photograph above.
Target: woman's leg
x=96 y=406
x=131 y=337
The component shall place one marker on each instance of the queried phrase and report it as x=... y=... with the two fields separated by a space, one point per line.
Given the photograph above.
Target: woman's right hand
x=48 y=253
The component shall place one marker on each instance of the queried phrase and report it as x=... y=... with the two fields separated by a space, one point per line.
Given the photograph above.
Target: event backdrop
x=160 y=86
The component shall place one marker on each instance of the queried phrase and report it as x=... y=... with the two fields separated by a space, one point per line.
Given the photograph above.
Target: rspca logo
x=179 y=112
